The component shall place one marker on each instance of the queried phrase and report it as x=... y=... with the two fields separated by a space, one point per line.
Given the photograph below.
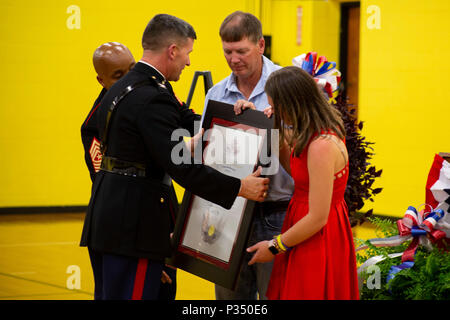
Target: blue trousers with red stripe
x=127 y=278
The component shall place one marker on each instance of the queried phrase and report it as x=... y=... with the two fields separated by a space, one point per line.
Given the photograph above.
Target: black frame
x=223 y=273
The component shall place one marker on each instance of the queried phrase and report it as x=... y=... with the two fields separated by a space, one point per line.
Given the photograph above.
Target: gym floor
x=40 y=259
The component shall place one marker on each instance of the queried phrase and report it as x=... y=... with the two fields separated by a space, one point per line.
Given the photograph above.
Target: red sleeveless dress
x=323 y=266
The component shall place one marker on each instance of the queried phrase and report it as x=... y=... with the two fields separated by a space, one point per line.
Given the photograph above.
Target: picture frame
x=209 y=240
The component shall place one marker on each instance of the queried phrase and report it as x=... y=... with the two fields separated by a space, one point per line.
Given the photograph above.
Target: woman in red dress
x=314 y=254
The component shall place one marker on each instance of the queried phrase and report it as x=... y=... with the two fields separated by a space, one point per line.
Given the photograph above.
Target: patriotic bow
x=420 y=227
x=413 y=223
x=323 y=71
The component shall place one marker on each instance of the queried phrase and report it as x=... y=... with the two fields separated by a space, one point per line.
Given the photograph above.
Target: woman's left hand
x=262 y=253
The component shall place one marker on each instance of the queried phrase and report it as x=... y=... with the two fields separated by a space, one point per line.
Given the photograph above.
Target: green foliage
x=384 y=228
x=428 y=279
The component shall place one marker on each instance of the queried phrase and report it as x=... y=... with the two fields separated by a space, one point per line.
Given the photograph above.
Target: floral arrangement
x=408 y=263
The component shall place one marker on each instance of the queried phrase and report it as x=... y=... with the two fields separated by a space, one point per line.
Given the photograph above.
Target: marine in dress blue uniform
x=112 y=60
x=128 y=221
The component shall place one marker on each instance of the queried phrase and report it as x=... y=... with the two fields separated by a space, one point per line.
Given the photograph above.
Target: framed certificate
x=209 y=240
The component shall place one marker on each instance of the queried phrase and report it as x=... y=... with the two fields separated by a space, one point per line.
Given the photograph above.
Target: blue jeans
x=253 y=280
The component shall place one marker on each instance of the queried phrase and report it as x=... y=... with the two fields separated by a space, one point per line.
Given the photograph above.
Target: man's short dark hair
x=240 y=25
x=165 y=29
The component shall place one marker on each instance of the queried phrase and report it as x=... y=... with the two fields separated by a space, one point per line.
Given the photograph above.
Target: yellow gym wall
x=49 y=83
x=403 y=94
x=319 y=29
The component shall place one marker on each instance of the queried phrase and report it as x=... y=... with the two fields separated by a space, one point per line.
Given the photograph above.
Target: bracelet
x=284 y=245
x=280 y=245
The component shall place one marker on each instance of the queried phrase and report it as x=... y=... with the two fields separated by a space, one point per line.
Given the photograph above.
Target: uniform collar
x=148 y=68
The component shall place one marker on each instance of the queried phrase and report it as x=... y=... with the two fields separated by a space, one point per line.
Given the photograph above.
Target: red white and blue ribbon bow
x=414 y=223
x=420 y=227
x=323 y=71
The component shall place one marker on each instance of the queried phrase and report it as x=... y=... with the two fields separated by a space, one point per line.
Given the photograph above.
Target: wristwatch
x=273 y=248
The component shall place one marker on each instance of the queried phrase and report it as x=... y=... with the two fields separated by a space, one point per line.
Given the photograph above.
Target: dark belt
x=130 y=169
x=126 y=168
x=274 y=206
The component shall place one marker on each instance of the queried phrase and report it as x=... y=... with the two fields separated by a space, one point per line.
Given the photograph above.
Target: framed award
x=209 y=240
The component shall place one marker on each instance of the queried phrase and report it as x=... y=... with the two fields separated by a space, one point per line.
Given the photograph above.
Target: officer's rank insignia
x=96 y=155
x=161 y=84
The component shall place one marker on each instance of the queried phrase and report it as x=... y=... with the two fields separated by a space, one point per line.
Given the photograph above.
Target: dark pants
x=127 y=278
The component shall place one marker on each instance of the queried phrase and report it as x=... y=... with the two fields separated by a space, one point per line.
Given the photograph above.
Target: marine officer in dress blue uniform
x=112 y=60
x=127 y=225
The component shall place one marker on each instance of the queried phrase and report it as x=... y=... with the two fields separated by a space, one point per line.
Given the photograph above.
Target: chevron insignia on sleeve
x=96 y=155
